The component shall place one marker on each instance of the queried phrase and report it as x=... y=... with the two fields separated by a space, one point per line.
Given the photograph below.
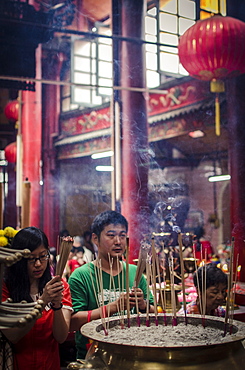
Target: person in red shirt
x=36 y=345
x=202 y=248
x=77 y=260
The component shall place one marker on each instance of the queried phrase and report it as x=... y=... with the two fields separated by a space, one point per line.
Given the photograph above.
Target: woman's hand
x=52 y=292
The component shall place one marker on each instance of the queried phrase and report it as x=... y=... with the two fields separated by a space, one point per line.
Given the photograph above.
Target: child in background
x=77 y=260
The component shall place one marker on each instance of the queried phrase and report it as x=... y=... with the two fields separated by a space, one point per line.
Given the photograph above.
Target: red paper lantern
x=213 y=49
x=10 y=152
x=11 y=110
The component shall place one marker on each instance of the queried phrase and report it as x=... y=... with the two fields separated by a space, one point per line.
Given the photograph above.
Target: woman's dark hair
x=107 y=218
x=16 y=276
x=214 y=276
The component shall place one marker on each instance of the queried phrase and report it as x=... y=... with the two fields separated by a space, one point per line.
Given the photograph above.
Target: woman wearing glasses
x=36 y=344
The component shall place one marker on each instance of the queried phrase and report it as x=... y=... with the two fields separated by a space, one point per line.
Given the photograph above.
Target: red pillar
x=10 y=214
x=134 y=126
x=31 y=138
x=51 y=110
x=236 y=122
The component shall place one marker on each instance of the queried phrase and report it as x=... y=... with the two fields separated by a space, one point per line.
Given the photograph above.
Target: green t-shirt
x=86 y=293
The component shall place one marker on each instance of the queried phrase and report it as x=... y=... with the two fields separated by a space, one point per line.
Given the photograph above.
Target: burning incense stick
x=204 y=285
x=114 y=289
x=121 y=306
x=160 y=290
x=110 y=288
x=230 y=278
x=127 y=280
x=198 y=285
x=233 y=292
x=153 y=280
x=102 y=298
x=141 y=265
x=182 y=273
x=65 y=249
x=137 y=306
x=147 y=322
x=92 y=280
x=173 y=302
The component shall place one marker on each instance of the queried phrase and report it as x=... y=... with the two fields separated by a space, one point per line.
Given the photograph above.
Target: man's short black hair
x=214 y=276
x=107 y=218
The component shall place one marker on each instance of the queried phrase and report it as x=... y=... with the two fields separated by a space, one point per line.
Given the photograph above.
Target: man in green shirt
x=90 y=297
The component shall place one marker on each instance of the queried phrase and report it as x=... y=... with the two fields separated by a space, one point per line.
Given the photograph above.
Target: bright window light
x=219 y=178
x=196 y=134
x=109 y=153
x=104 y=168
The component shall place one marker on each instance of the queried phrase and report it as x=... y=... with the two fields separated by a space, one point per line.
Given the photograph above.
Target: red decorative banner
x=84 y=148
x=93 y=121
x=177 y=97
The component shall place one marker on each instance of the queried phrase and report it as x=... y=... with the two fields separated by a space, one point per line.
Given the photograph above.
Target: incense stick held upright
x=230 y=279
x=153 y=282
x=182 y=273
x=127 y=281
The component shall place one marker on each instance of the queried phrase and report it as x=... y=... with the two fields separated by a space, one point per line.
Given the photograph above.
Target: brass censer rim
x=94 y=329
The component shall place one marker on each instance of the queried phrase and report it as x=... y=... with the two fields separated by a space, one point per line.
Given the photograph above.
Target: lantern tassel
x=217 y=115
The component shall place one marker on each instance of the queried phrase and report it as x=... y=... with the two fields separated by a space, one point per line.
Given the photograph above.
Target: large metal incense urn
x=228 y=353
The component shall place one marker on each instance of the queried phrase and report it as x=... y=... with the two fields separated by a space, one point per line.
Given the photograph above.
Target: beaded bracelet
x=55 y=308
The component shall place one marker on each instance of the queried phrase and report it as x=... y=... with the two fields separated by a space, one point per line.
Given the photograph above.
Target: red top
x=73 y=264
x=38 y=350
x=206 y=250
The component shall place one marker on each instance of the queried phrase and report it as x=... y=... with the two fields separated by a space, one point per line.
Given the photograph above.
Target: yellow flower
x=2 y=232
x=3 y=241
x=9 y=232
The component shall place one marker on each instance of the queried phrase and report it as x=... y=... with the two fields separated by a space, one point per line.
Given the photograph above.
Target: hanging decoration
x=213 y=50
x=11 y=110
x=10 y=152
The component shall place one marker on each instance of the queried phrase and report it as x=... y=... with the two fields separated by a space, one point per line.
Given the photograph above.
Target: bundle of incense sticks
x=65 y=249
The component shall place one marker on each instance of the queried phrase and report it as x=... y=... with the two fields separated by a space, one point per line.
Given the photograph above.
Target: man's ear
x=95 y=239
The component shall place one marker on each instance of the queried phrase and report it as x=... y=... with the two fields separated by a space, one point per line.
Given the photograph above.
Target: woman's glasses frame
x=41 y=259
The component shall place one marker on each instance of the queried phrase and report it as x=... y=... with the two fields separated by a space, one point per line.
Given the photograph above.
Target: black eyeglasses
x=41 y=258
